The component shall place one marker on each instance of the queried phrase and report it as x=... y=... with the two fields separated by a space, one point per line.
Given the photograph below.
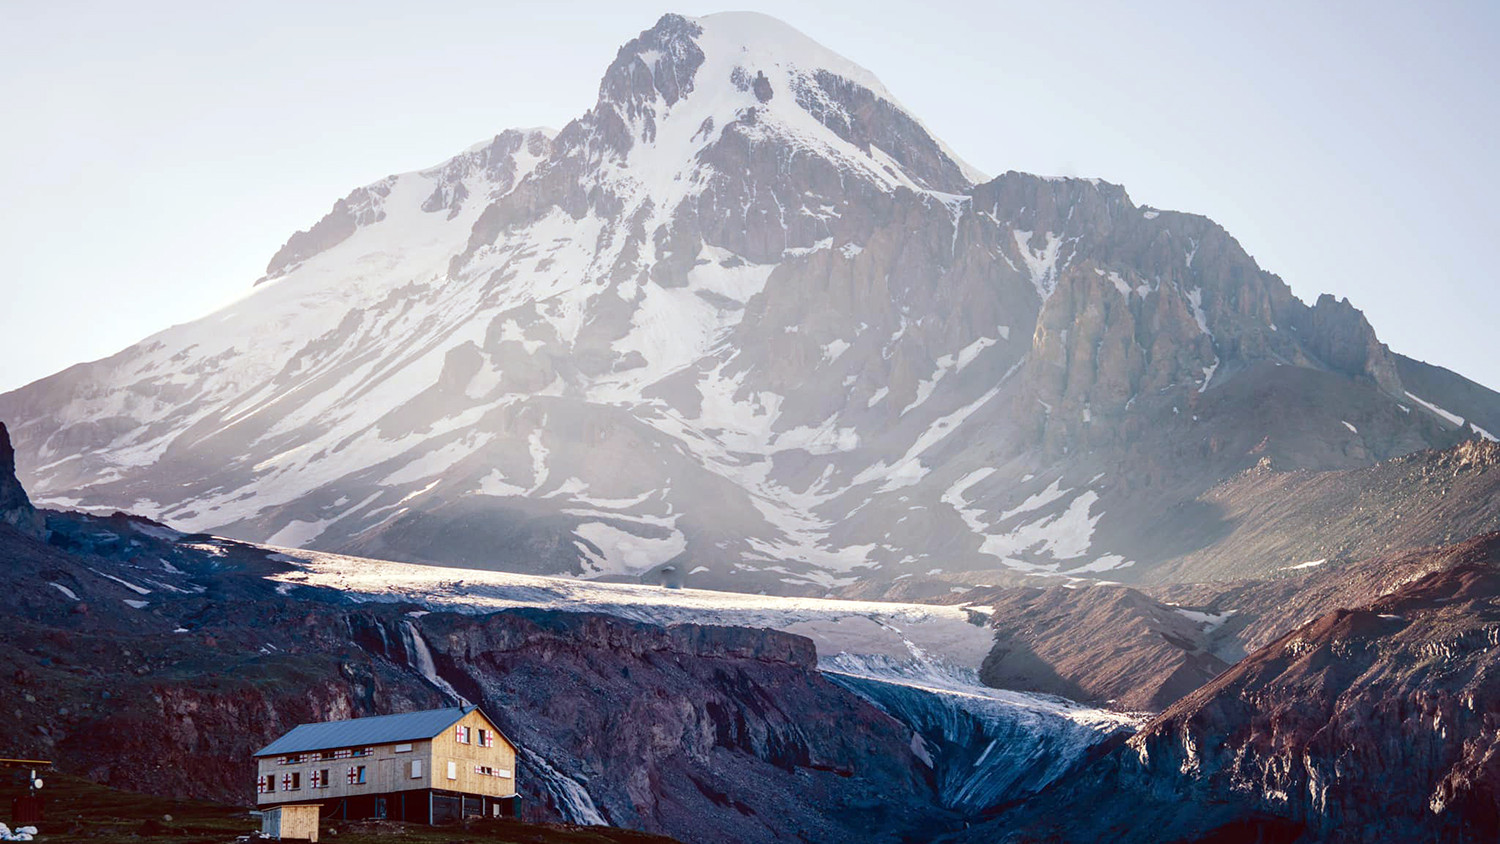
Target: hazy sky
x=156 y=154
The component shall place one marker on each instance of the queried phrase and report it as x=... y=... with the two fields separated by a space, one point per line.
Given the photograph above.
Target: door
x=389 y=776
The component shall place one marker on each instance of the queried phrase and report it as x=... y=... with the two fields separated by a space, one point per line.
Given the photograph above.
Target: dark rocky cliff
x=668 y=727
x=1376 y=723
x=150 y=660
x=15 y=506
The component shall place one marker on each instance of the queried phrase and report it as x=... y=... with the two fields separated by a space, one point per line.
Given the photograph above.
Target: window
x=291 y=782
x=318 y=779
x=486 y=738
x=416 y=769
x=461 y=734
x=452 y=770
x=356 y=774
x=265 y=784
x=403 y=748
x=487 y=771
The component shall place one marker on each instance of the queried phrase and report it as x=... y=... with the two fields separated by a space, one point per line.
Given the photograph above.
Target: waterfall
x=419 y=656
x=572 y=800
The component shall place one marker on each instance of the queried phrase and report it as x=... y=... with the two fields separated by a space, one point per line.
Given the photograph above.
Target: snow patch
x=127 y=584
x=298 y=533
x=1454 y=418
x=1040 y=263
x=1210 y=621
x=1307 y=565
x=627 y=553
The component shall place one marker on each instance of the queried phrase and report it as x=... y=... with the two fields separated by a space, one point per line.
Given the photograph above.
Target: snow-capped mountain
x=748 y=322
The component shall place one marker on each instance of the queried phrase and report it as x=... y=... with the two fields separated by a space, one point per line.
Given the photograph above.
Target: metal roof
x=364 y=732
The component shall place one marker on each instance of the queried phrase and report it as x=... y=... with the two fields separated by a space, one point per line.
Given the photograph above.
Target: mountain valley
x=768 y=473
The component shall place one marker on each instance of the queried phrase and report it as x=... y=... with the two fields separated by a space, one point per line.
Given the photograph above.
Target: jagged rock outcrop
x=1368 y=723
x=1339 y=335
x=15 y=506
x=1316 y=726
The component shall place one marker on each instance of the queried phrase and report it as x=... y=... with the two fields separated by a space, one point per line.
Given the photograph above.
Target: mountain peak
x=750 y=40
x=685 y=83
x=746 y=319
x=764 y=40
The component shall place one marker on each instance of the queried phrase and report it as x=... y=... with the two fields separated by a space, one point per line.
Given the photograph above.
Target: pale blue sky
x=155 y=154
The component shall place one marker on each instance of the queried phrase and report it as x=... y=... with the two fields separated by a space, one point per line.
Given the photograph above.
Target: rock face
x=697 y=732
x=151 y=660
x=15 y=506
x=1315 y=723
x=747 y=318
x=1104 y=644
x=1370 y=723
x=1145 y=648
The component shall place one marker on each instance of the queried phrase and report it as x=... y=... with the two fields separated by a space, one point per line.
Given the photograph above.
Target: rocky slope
x=1144 y=647
x=1108 y=644
x=148 y=659
x=165 y=682
x=1267 y=521
x=1370 y=723
x=747 y=318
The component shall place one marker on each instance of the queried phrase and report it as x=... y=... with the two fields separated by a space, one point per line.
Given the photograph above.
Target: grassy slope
x=78 y=810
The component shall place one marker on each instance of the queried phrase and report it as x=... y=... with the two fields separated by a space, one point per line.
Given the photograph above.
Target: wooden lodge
x=428 y=767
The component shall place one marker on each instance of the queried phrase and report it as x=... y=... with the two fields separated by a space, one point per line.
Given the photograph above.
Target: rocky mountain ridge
x=1371 y=722
x=1143 y=647
x=748 y=319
